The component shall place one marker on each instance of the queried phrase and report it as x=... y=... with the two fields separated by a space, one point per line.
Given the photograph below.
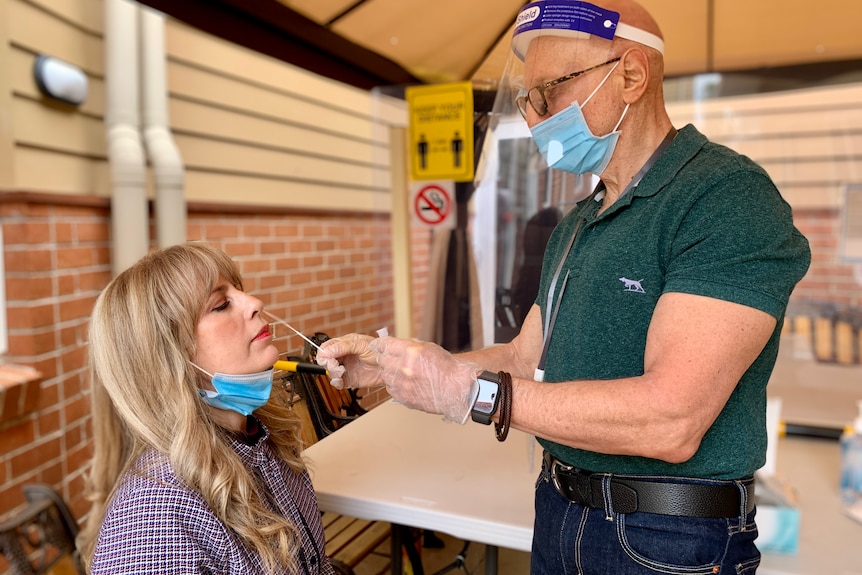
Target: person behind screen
x=642 y=366
x=194 y=470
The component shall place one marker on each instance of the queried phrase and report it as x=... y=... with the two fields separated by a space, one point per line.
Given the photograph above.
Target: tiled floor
x=439 y=561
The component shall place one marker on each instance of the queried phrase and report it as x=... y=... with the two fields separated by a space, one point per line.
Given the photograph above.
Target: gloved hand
x=349 y=361
x=425 y=376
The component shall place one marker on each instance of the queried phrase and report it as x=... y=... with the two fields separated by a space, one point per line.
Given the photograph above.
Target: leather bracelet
x=501 y=427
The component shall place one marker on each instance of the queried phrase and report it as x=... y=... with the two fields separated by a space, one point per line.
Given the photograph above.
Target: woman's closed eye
x=223 y=306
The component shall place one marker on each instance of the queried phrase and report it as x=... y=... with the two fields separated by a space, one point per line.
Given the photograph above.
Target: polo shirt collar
x=684 y=147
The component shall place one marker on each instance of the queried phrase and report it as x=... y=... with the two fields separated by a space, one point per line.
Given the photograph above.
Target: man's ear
x=636 y=74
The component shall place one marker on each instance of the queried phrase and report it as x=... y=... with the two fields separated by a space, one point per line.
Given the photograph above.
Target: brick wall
x=828 y=279
x=319 y=271
x=57 y=260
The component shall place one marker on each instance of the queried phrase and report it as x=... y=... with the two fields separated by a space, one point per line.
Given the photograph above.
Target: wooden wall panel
x=43 y=32
x=212 y=187
x=88 y=15
x=202 y=50
x=51 y=172
x=235 y=94
x=56 y=129
x=250 y=128
x=809 y=141
x=201 y=120
x=7 y=136
x=254 y=128
x=214 y=155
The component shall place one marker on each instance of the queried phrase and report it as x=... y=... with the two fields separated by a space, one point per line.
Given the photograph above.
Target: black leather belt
x=627 y=494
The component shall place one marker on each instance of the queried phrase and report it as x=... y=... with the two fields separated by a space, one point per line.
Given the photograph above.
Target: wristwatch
x=488 y=399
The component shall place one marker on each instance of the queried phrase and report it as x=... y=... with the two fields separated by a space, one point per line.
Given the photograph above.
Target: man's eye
x=222 y=307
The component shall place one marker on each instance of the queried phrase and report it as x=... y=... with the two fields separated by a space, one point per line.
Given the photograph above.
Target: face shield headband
x=574 y=19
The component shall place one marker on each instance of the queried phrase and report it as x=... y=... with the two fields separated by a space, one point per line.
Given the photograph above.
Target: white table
x=411 y=468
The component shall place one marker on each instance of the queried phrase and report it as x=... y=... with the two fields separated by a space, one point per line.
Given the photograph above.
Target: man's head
x=591 y=73
x=566 y=43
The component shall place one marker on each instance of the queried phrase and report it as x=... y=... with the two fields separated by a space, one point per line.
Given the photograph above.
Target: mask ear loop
x=202 y=370
x=602 y=83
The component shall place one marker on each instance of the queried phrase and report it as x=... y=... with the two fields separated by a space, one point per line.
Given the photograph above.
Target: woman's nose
x=252 y=305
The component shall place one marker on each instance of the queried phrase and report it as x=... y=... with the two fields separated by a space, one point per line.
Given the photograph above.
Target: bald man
x=642 y=366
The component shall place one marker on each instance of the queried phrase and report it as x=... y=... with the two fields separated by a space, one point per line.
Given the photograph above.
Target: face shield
x=555 y=45
x=563 y=51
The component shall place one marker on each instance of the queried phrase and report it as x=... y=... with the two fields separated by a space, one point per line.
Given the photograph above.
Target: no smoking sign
x=432 y=204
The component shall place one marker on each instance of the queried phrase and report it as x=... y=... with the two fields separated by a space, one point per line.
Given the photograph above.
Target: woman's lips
x=263 y=333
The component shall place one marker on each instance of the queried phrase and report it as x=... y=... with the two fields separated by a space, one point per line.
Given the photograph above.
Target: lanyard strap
x=551 y=315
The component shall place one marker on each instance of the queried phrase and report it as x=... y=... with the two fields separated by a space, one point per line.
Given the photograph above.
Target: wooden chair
x=41 y=539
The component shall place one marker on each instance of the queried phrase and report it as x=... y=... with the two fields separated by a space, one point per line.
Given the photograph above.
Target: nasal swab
x=293 y=329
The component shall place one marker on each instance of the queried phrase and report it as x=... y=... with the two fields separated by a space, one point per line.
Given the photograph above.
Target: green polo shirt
x=704 y=220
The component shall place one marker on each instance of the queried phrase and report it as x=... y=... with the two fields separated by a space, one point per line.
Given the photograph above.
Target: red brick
x=77 y=458
x=73 y=359
x=48 y=422
x=76 y=257
x=92 y=232
x=52 y=475
x=216 y=231
x=18 y=435
x=31 y=344
x=77 y=409
x=94 y=280
x=11 y=497
x=39 y=453
x=16 y=233
x=81 y=307
x=267 y=248
x=239 y=248
x=28 y=260
x=63 y=233
x=255 y=228
x=49 y=396
x=28 y=288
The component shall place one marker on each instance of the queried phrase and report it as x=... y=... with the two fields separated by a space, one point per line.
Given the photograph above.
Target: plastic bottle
x=851 y=461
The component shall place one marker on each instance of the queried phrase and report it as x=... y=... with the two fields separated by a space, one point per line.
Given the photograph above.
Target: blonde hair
x=145 y=396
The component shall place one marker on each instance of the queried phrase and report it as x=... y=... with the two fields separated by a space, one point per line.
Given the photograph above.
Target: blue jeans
x=570 y=539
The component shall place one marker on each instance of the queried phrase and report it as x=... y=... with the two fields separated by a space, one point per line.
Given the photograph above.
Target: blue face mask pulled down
x=567 y=143
x=240 y=393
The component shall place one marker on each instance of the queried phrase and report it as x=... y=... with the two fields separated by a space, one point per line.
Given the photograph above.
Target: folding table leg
x=491 y=559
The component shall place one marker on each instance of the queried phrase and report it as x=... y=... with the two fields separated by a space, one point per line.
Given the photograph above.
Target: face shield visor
x=557 y=44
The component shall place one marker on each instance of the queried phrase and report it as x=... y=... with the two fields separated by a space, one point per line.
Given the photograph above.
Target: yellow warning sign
x=441 y=131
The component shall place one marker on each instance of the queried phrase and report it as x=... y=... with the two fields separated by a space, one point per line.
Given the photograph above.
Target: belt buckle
x=556 y=465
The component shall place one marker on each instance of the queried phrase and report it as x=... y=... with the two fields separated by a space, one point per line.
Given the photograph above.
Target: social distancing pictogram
x=441 y=131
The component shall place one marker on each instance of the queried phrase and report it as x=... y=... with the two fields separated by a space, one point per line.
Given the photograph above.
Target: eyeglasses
x=536 y=95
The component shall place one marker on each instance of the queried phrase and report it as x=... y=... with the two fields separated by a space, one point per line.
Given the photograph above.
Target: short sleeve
x=738 y=243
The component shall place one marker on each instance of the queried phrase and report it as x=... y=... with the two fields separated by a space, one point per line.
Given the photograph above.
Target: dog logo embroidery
x=632 y=285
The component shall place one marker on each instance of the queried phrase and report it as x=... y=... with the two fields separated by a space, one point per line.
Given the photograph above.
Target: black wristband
x=501 y=427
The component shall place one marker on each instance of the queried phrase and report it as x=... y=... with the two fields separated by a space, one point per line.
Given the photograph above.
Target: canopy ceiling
x=371 y=43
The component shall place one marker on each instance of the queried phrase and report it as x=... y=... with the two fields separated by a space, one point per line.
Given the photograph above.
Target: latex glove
x=349 y=361
x=425 y=376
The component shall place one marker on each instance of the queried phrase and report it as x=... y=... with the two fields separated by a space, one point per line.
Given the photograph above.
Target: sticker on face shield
x=562 y=15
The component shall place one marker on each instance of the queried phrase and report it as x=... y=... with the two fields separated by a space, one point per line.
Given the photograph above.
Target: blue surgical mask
x=240 y=393
x=567 y=143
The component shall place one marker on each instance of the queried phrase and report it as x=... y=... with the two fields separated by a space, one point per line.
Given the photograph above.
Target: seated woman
x=194 y=470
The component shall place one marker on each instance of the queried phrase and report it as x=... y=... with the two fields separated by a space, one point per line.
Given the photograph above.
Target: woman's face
x=231 y=335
